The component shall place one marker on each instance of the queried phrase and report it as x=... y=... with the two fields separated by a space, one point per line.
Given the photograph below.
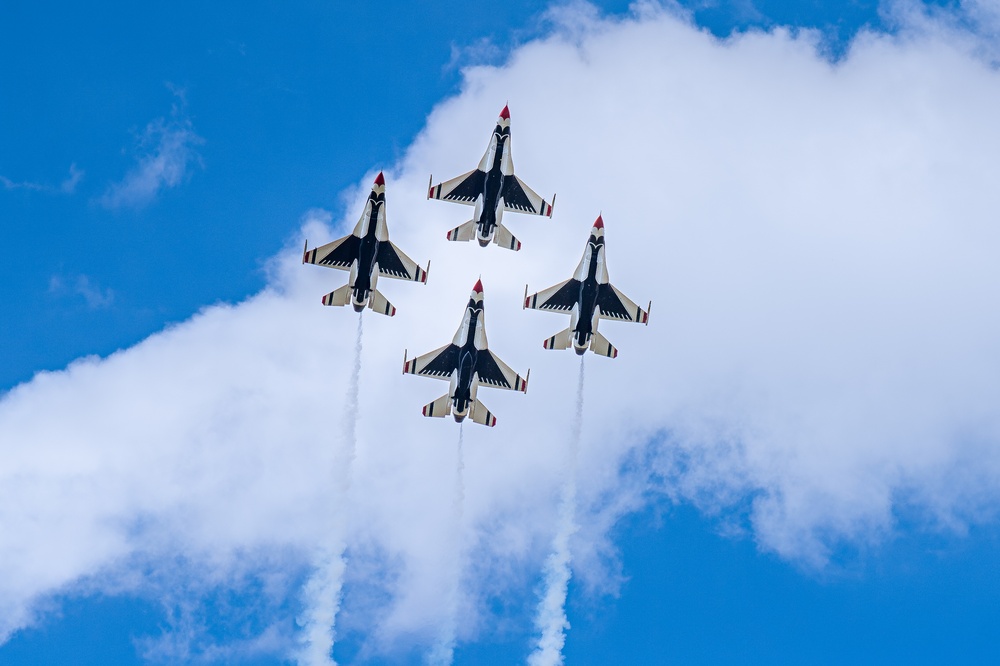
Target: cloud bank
x=819 y=241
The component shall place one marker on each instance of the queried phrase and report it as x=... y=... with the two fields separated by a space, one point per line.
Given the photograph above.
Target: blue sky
x=155 y=160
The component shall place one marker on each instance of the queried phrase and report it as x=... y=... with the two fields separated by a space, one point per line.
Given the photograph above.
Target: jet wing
x=616 y=305
x=340 y=253
x=494 y=372
x=394 y=264
x=561 y=298
x=465 y=189
x=520 y=198
x=438 y=364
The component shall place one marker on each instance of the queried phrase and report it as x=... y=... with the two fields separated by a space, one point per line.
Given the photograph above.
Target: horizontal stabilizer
x=600 y=345
x=340 y=296
x=561 y=340
x=379 y=304
x=481 y=415
x=465 y=232
x=504 y=238
x=439 y=408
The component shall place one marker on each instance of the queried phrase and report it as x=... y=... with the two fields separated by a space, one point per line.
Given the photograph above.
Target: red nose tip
x=479 y=287
x=600 y=222
x=379 y=180
x=505 y=114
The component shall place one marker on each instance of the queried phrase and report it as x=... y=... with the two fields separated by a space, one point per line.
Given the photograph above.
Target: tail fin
x=464 y=232
x=504 y=238
x=600 y=345
x=481 y=415
x=340 y=296
x=439 y=408
x=379 y=304
x=561 y=340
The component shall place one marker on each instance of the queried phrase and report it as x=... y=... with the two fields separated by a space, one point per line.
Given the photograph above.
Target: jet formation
x=467 y=362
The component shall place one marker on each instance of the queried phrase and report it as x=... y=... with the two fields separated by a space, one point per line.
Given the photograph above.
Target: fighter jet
x=466 y=363
x=492 y=188
x=367 y=254
x=587 y=297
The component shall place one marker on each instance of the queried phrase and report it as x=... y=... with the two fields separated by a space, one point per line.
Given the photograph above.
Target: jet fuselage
x=591 y=273
x=492 y=210
x=464 y=379
x=366 y=275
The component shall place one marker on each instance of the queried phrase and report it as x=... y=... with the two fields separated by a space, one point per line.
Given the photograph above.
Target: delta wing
x=497 y=374
x=464 y=189
x=438 y=364
x=560 y=298
x=340 y=253
x=616 y=305
x=393 y=263
x=520 y=198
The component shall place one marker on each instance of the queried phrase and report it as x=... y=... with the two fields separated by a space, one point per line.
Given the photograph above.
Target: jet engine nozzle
x=360 y=300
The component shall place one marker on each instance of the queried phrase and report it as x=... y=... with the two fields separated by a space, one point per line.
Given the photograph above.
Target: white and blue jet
x=587 y=298
x=466 y=364
x=492 y=188
x=367 y=254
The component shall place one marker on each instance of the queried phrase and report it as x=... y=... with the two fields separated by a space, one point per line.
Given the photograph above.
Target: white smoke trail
x=460 y=480
x=443 y=652
x=551 y=620
x=323 y=592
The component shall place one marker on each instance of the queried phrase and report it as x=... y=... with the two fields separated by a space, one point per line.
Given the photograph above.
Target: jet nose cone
x=478 y=288
x=379 y=179
x=505 y=114
x=599 y=224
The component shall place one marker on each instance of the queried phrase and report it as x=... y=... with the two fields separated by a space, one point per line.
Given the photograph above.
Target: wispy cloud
x=93 y=294
x=166 y=152
x=67 y=186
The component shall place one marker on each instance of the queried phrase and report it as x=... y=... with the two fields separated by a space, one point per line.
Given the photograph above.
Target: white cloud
x=96 y=296
x=67 y=186
x=166 y=152
x=819 y=242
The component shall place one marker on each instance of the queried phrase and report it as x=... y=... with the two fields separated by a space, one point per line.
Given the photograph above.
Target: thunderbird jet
x=466 y=364
x=492 y=188
x=587 y=297
x=367 y=254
